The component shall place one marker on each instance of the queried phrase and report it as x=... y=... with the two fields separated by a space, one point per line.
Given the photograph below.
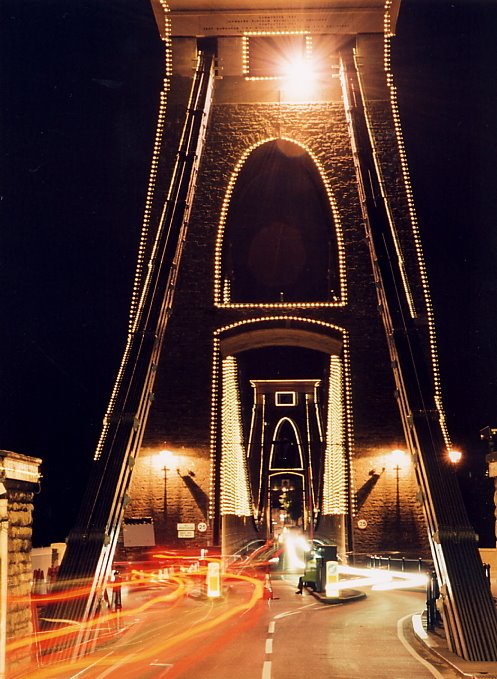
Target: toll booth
x=315 y=566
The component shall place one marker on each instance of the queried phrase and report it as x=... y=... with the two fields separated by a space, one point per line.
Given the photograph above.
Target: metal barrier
x=399 y=563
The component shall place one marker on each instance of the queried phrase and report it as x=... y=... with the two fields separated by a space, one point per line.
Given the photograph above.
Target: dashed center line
x=266 y=668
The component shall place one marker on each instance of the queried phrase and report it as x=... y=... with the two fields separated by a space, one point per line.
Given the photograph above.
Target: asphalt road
x=161 y=633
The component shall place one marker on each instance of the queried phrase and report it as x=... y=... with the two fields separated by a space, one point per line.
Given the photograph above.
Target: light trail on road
x=176 y=637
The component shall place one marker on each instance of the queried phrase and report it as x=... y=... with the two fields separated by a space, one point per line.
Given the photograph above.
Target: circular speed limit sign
x=202 y=527
x=362 y=524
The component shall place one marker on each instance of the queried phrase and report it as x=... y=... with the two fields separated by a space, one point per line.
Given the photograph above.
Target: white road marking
x=270 y=629
x=116 y=665
x=269 y=646
x=90 y=666
x=287 y=613
x=410 y=649
x=266 y=670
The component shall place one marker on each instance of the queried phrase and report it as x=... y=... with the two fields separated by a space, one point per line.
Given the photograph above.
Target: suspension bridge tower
x=275 y=369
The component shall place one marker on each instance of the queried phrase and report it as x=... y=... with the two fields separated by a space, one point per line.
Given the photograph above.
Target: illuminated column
x=234 y=478
x=335 y=494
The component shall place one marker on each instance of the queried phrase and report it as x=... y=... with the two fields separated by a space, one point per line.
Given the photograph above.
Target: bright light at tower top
x=455 y=456
x=274 y=56
x=299 y=74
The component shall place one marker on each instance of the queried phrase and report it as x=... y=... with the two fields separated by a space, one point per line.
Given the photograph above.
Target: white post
x=331 y=587
x=213 y=580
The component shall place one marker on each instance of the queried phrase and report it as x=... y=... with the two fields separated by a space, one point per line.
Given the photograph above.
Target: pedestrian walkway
x=436 y=642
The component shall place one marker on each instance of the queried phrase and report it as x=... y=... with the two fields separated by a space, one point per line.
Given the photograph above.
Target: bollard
x=213 y=580
x=331 y=588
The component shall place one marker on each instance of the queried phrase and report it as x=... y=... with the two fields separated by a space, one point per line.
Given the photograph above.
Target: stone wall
x=20 y=517
x=20 y=476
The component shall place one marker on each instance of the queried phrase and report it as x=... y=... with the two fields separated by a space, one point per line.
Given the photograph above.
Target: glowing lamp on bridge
x=299 y=77
x=454 y=456
x=167 y=460
x=398 y=461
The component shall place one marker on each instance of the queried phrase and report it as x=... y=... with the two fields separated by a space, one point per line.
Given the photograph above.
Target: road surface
x=241 y=635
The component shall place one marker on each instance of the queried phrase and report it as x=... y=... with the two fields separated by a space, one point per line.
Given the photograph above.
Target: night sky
x=80 y=82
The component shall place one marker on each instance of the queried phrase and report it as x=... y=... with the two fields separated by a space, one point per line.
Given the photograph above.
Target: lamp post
x=167 y=461
x=399 y=461
x=454 y=456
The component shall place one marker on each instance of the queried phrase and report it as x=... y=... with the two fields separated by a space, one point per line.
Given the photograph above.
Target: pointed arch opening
x=280 y=238
x=286 y=449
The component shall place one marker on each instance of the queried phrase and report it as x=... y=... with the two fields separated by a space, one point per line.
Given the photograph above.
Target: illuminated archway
x=266 y=367
x=279 y=240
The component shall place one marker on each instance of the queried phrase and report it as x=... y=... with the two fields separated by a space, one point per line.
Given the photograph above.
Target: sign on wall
x=186 y=530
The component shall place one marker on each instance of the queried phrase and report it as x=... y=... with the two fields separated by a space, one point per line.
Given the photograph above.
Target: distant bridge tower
x=276 y=281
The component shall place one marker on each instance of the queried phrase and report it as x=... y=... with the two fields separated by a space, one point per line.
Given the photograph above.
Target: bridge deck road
x=289 y=637
x=299 y=637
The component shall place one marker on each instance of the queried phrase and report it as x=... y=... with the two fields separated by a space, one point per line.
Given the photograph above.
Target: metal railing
x=398 y=563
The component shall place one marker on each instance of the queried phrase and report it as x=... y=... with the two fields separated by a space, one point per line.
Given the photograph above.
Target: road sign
x=202 y=527
x=186 y=533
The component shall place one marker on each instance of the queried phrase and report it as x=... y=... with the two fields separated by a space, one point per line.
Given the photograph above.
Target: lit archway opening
x=280 y=243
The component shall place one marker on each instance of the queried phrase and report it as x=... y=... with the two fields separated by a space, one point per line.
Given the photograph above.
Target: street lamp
x=399 y=461
x=455 y=456
x=168 y=461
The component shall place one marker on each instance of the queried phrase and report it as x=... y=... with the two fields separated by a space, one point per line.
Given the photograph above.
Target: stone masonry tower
x=274 y=400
